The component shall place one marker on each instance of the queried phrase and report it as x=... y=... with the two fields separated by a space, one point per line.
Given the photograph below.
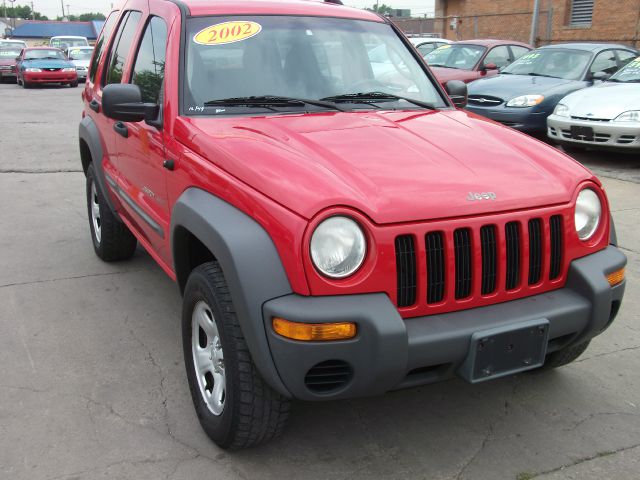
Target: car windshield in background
x=629 y=74
x=10 y=44
x=44 y=53
x=80 y=54
x=68 y=42
x=463 y=57
x=551 y=62
x=9 y=52
x=271 y=63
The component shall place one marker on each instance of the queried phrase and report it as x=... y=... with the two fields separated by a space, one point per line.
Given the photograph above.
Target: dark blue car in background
x=527 y=91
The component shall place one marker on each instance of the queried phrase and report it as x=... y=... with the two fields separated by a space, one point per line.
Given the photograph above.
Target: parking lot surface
x=92 y=383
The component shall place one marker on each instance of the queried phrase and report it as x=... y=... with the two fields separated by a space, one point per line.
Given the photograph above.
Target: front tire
x=565 y=355
x=112 y=240
x=73 y=84
x=571 y=148
x=235 y=406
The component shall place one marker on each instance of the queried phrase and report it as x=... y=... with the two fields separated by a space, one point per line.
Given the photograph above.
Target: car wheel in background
x=73 y=84
x=112 y=240
x=235 y=406
x=572 y=148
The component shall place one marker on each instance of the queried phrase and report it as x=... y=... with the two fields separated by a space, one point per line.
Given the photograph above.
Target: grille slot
x=555 y=226
x=462 y=247
x=512 y=233
x=435 y=267
x=406 y=270
x=535 y=250
x=328 y=376
x=489 y=258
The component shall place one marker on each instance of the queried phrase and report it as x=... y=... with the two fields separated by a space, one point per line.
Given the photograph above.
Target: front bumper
x=618 y=135
x=526 y=119
x=7 y=72
x=390 y=352
x=50 y=77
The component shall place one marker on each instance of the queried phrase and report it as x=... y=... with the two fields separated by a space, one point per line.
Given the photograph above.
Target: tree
x=24 y=11
x=85 y=17
x=381 y=9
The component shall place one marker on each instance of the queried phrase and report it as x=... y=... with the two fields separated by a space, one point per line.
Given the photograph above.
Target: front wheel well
x=188 y=253
x=85 y=155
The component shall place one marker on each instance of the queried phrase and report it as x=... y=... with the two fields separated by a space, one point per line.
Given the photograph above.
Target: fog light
x=314 y=332
x=616 y=278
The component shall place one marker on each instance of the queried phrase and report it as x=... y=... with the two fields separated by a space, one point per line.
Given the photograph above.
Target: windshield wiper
x=374 y=97
x=532 y=74
x=270 y=101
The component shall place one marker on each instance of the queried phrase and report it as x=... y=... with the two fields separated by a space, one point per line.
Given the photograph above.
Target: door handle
x=121 y=129
x=94 y=105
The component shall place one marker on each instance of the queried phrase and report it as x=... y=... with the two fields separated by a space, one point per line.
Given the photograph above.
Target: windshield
x=298 y=57
x=68 y=42
x=463 y=57
x=80 y=54
x=551 y=62
x=9 y=53
x=630 y=73
x=44 y=53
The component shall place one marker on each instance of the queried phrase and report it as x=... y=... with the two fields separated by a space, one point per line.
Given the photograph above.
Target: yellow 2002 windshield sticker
x=227 y=32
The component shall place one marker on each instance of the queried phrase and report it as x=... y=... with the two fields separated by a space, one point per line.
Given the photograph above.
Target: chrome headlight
x=630 y=116
x=33 y=70
x=588 y=212
x=561 y=110
x=526 y=101
x=338 y=247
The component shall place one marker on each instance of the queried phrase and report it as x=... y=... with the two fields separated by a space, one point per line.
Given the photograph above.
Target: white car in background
x=428 y=44
x=81 y=57
x=64 y=43
x=7 y=42
x=606 y=115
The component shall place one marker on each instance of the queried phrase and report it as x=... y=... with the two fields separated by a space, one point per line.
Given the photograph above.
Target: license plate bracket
x=582 y=133
x=503 y=351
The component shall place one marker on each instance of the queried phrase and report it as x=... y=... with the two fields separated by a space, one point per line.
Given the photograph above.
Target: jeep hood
x=392 y=166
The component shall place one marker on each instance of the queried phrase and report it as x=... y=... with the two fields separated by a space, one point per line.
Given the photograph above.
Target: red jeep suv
x=333 y=233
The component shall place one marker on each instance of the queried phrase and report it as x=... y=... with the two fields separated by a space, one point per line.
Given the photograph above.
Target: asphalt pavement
x=92 y=383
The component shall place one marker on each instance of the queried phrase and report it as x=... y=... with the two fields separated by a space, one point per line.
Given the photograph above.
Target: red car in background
x=8 y=62
x=473 y=59
x=45 y=65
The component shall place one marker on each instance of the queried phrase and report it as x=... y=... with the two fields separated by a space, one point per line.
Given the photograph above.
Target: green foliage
x=22 y=11
x=381 y=9
x=85 y=17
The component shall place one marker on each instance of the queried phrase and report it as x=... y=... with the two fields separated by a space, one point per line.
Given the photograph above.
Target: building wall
x=613 y=20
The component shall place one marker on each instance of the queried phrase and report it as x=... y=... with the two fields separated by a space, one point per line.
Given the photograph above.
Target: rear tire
x=565 y=355
x=235 y=406
x=570 y=148
x=112 y=240
x=26 y=85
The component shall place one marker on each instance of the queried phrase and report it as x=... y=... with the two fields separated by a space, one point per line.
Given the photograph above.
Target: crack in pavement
x=91 y=275
x=599 y=414
x=583 y=460
x=604 y=354
x=40 y=171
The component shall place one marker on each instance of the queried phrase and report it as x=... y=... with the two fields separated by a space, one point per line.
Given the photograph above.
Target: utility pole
x=68 y=12
x=62 y=5
x=33 y=13
x=534 y=23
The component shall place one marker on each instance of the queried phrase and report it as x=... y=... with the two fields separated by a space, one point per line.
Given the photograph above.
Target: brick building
x=559 y=20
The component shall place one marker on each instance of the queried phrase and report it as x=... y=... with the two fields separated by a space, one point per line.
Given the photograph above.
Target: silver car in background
x=81 y=57
x=606 y=115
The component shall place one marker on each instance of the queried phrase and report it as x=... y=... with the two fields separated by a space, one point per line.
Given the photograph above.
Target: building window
x=581 y=12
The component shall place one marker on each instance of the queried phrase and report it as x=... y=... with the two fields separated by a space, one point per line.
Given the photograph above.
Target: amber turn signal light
x=314 y=332
x=615 y=278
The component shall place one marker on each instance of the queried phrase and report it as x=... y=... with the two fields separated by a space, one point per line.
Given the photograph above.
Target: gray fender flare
x=250 y=262
x=89 y=133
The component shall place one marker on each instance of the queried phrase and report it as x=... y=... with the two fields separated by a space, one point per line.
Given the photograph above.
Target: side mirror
x=600 y=76
x=457 y=91
x=490 y=66
x=18 y=58
x=123 y=102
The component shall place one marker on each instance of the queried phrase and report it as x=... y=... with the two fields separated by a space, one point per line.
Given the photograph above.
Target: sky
x=53 y=8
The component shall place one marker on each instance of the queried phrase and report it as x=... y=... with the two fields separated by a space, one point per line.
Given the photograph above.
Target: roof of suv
x=271 y=7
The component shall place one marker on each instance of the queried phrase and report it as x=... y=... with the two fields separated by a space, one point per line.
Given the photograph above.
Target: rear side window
x=120 y=48
x=624 y=57
x=518 y=51
x=148 y=72
x=101 y=43
x=605 y=62
x=499 y=56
